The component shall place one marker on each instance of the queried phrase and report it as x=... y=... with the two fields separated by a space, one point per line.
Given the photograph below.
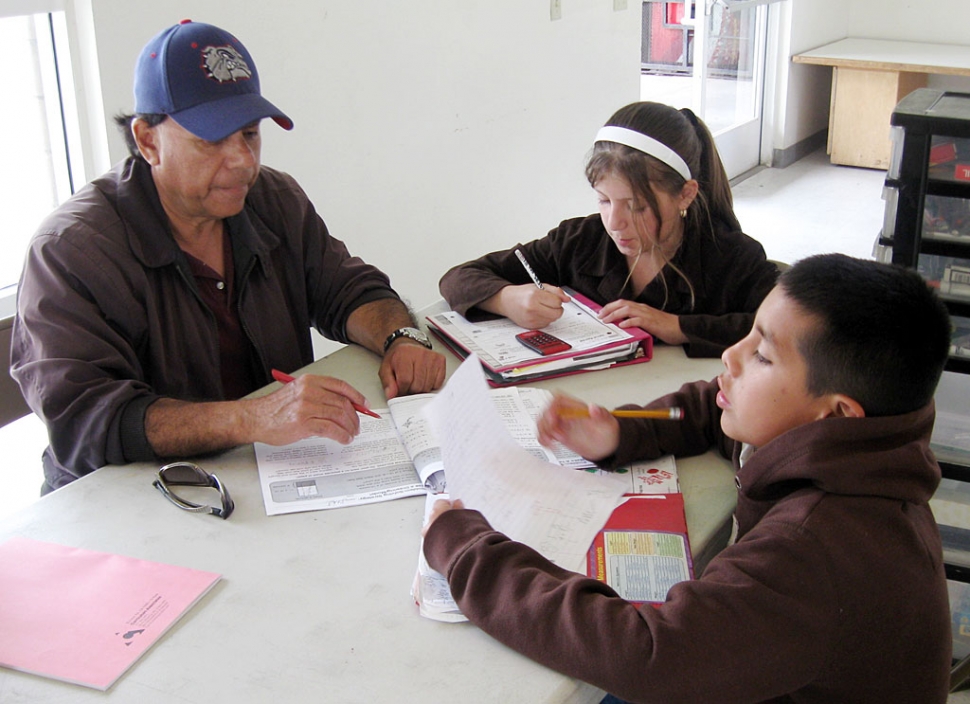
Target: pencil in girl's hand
x=674 y=413
x=528 y=269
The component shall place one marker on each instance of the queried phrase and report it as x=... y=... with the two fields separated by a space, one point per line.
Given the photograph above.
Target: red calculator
x=543 y=342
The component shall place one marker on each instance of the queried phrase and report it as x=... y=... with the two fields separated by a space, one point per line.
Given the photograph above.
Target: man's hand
x=594 y=434
x=440 y=507
x=408 y=367
x=411 y=368
x=310 y=405
x=527 y=305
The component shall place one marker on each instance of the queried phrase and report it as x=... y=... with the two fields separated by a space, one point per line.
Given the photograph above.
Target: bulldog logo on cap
x=205 y=79
x=224 y=63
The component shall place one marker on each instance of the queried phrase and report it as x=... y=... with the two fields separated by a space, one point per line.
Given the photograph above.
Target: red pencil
x=285 y=378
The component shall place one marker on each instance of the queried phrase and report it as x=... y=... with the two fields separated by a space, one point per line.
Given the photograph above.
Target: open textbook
x=394 y=456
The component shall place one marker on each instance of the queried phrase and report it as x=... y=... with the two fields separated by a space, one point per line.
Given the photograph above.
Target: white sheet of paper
x=555 y=510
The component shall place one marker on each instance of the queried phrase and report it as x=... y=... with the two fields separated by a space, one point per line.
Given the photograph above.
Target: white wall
x=426 y=133
x=936 y=21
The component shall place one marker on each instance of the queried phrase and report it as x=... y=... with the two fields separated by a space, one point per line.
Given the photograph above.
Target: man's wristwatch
x=411 y=334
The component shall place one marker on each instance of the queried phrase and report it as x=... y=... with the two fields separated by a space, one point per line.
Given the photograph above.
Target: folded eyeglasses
x=191 y=474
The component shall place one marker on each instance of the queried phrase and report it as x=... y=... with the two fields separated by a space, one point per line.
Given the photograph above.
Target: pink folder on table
x=85 y=617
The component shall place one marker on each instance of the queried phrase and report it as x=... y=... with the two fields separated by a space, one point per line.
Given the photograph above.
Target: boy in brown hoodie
x=833 y=588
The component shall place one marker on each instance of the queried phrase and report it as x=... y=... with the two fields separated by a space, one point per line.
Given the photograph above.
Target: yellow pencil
x=674 y=413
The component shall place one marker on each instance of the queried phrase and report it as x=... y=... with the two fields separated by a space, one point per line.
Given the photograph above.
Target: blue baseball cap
x=204 y=79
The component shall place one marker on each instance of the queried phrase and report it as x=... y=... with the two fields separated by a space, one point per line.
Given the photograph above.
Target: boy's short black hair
x=884 y=335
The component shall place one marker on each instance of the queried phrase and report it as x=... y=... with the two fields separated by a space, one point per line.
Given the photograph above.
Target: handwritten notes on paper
x=555 y=510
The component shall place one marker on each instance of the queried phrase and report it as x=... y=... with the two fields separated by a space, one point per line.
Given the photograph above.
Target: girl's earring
x=683 y=213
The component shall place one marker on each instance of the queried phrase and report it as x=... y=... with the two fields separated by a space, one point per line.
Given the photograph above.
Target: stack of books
x=593 y=344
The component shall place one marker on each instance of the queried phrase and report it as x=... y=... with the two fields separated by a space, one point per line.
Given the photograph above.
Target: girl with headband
x=665 y=252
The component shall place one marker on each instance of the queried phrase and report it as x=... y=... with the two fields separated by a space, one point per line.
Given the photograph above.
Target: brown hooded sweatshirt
x=834 y=590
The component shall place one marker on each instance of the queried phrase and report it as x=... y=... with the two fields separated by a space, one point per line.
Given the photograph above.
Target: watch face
x=411 y=333
x=417 y=335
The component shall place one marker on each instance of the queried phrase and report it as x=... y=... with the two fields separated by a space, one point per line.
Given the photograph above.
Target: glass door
x=709 y=55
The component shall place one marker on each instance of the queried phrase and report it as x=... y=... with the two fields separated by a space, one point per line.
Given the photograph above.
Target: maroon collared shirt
x=235 y=349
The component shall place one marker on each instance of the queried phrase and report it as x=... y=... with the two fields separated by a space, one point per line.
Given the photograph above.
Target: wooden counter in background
x=869 y=77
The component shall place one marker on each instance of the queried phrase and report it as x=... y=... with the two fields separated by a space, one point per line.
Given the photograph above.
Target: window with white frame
x=39 y=131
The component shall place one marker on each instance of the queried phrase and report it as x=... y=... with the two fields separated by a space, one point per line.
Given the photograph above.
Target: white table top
x=315 y=606
x=885 y=54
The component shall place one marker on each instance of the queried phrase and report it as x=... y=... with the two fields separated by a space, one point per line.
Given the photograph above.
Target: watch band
x=411 y=334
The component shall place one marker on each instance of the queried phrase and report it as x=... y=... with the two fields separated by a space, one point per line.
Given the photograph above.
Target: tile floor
x=807 y=208
x=812 y=207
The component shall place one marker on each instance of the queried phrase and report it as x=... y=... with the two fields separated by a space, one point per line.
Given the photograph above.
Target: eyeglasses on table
x=190 y=474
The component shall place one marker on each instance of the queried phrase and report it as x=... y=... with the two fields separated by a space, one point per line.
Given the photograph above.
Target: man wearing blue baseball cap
x=166 y=290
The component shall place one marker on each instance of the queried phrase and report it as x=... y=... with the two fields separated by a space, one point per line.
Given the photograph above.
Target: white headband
x=645 y=144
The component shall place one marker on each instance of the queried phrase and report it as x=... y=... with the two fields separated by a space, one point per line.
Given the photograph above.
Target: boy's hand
x=440 y=506
x=594 y=434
